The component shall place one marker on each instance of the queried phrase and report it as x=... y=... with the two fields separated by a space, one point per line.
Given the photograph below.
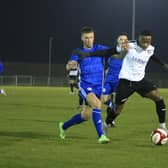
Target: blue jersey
x=1 y=67
x=91 y=69
x=114 y=66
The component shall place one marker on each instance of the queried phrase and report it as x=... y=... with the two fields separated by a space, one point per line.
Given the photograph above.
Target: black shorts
x=126 y=88
x=74 y=78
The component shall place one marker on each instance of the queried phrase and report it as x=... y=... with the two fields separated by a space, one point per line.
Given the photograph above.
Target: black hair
x=145 y=33
x=86 y=29
x=123 y=34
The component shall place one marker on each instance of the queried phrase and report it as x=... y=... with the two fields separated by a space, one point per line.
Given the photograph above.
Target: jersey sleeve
x=104 y=52
x=74 y=57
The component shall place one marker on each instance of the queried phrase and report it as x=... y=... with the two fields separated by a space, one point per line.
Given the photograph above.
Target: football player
x=2 y=91
x=91 y=71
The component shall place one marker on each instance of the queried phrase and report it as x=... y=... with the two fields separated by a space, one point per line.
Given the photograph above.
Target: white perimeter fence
x=27 y=80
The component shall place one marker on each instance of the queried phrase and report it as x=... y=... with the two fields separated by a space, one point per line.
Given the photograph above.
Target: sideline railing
x=161 y=80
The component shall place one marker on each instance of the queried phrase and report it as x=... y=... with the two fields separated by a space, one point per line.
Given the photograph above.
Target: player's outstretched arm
x=99 y=53
x=160 y=62
x=104 y=53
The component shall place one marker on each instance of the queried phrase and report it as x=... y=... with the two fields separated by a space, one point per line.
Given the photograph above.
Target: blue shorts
x=85 y=89
x=109 y=88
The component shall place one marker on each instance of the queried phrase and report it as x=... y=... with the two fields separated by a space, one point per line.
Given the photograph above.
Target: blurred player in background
x=72 y=71
x=91 y=71
x=111 y=81
x=2 y=91
x=73 y=77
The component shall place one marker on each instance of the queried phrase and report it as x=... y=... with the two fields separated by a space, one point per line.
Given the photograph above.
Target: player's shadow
x=34 y=120
x=72 y=137
x=48 y=107
x=31 y=135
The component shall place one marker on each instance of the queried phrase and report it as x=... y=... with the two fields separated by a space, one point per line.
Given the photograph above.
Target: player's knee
x=86 y=115
x=154 y=95
x=96 y=104
x=159 y=98
x=104 y=100
x=155 y=98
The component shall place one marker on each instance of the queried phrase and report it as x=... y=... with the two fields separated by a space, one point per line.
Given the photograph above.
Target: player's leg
x=149 y=90
x=125 y=89
x=95 y=103
x=113 y=97
x=81 y=101
x=109 y=111
x=76 y=119
x=106 y=99
x=76 y=84
x=71 y=84
x=160 y=106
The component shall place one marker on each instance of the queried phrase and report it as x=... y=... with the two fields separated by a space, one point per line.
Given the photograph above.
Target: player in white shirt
x=132 y=76
x=136 y=55
x=72 y=76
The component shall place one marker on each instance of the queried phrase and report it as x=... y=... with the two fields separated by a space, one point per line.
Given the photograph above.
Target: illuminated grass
x=29 y=135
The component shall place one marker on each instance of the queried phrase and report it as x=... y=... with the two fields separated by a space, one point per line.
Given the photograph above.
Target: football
x=159 y=136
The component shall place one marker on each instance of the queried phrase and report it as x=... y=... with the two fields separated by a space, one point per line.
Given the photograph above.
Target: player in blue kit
x=91 y=71
x=111 y=82
x=2 y=91
x=110 y=85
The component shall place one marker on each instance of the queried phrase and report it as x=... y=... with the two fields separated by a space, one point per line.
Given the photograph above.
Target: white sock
x=163 y=125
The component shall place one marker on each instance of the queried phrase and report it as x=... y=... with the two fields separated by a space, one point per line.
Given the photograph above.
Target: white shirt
x=135 y=61
x=73 y=72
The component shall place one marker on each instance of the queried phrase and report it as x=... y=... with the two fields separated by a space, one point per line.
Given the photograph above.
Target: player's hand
x=80 y=53
x=165 y=66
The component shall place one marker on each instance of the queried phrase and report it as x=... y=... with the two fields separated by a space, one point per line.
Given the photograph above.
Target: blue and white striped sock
x=76 y=119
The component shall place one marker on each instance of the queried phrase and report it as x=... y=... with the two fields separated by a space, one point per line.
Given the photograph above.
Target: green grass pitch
x=29 y=134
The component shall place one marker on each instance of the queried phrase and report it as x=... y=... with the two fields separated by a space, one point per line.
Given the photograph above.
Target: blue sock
x=96 y=116
x=76 y=119
x=113 y=106
x=108 y=103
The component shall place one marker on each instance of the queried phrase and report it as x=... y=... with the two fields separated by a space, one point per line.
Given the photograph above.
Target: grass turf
x=29 y=134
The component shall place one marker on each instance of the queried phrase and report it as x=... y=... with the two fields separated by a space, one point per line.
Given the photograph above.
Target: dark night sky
x=27 y=24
